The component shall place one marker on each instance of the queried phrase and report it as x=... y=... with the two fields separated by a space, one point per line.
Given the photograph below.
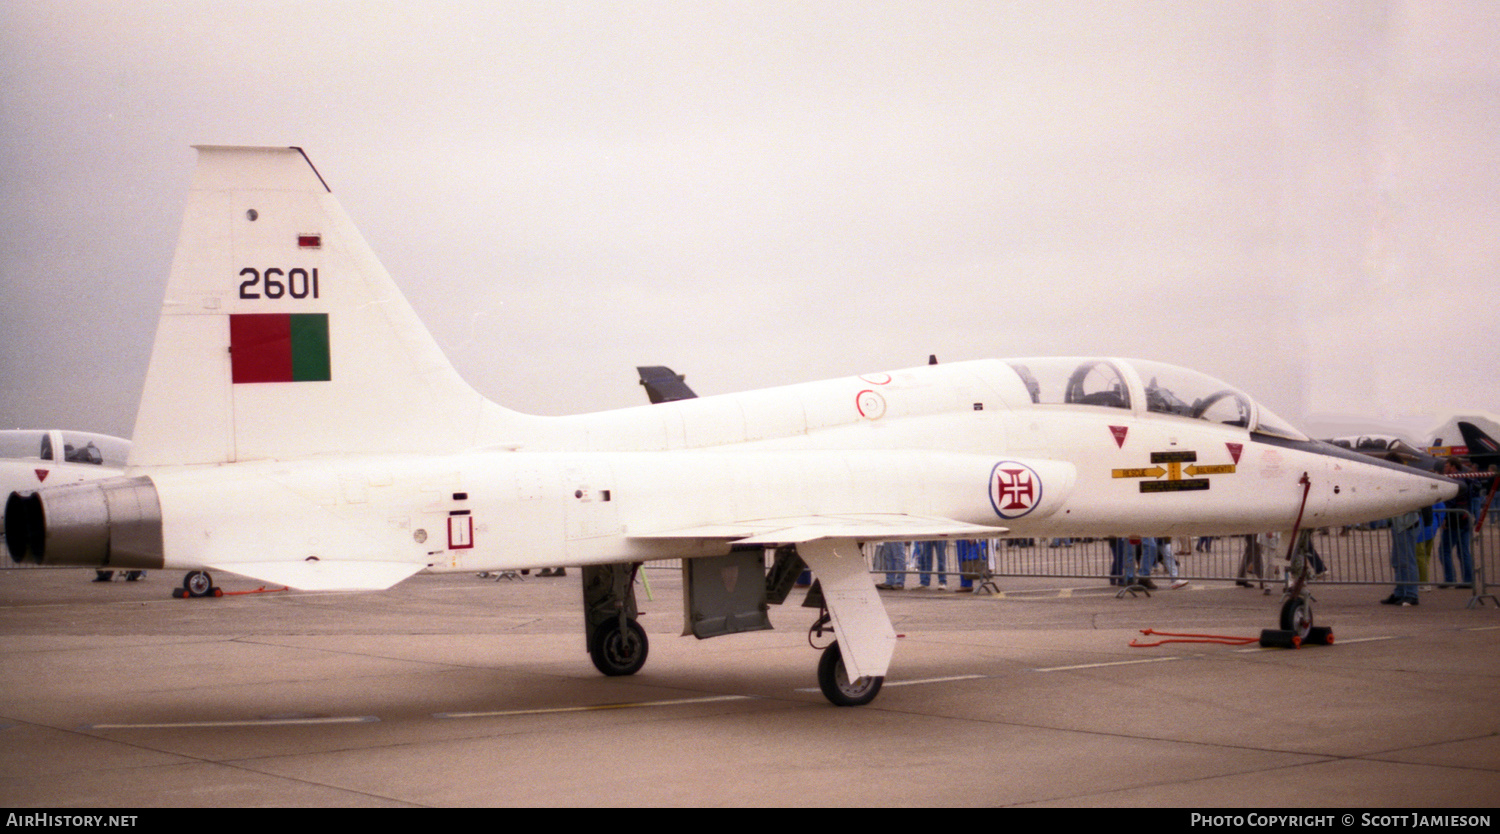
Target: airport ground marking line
x=888 y=684
x=1102 y=665
x=1341 y=642
x=1025 y=594
x=594 y=707
x=256 y=722
x=947 y=679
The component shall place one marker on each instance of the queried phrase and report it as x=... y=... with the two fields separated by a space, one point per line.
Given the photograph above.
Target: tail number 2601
x=275 y=283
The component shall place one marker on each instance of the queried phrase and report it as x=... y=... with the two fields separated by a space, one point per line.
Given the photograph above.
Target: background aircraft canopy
x=64 y=447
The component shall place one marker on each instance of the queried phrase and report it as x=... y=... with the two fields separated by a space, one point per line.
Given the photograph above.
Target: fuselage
x=976 y=442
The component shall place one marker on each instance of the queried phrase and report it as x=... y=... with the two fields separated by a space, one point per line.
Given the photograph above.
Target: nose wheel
x=197 y=584
x=1297 y=617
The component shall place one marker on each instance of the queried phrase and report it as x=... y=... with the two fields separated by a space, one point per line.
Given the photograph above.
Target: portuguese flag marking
x=279 y=347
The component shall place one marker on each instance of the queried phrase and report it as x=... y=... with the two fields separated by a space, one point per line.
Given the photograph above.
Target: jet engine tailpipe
x=115 y=522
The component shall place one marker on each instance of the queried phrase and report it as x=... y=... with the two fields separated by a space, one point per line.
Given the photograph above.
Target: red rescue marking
x=870 y=404
x=460 y=532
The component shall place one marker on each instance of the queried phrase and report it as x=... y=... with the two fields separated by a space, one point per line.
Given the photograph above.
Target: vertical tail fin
x=1483 y=449
x=282 y=336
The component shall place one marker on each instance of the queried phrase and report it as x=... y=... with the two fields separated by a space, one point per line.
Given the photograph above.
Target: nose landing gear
x=1296 y=622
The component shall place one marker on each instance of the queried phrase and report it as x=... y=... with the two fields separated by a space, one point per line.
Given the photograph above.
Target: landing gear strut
x=1296 y=603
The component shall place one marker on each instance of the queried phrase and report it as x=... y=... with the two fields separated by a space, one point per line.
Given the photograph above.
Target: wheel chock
x=1318 y=636
x=215 y=591
x=1275 y=638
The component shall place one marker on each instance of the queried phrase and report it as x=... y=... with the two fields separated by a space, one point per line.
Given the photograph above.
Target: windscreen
x=1187 y=393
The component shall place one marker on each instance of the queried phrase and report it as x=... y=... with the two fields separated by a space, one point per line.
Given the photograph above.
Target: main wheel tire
x=1296 y=617
x=833 y=679
x=617 y=653
x=198 y=583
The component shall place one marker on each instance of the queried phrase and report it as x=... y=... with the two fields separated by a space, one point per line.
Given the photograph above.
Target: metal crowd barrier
x=1346 y=556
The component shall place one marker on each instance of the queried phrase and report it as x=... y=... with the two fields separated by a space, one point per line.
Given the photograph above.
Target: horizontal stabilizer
x=864 y=528
x=325 y=576
x=664 y=385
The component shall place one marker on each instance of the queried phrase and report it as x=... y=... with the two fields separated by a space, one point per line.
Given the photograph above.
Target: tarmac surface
x=463 y=691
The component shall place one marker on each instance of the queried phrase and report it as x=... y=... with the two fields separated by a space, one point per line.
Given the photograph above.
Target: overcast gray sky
x=1299 y=198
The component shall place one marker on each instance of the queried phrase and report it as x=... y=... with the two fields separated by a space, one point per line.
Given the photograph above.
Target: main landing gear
x=833 y=677
x=835 y=683
x=619 y=651
x=617 y=643
x=851 y=670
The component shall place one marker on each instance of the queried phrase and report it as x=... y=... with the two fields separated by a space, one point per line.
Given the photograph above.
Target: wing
x=829 y=545
x=331 y=575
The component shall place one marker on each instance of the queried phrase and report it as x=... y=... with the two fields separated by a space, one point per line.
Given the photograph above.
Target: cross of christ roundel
x=1015 y=489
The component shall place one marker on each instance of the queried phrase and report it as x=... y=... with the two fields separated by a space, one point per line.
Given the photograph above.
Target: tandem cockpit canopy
x=1153 y=387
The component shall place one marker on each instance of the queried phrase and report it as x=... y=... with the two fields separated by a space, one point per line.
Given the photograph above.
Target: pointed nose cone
x=1355 y=488
x=1450 y=491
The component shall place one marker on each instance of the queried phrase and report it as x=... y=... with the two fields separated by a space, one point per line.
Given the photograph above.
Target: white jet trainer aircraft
x=299 y=425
